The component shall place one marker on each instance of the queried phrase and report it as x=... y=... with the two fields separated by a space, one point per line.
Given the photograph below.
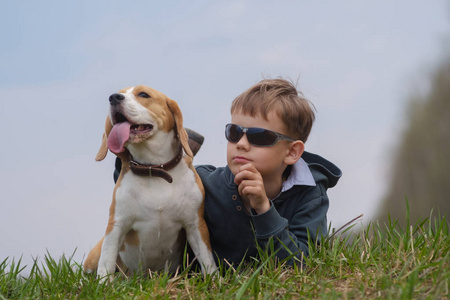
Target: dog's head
x=138 y=116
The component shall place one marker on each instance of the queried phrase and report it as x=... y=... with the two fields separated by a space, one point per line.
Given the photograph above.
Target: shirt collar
x=300 y=175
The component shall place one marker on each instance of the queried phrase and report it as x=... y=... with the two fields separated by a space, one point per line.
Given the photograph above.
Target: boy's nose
x=243 y=143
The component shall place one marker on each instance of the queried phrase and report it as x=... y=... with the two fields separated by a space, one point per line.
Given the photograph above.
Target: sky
x=356 y=61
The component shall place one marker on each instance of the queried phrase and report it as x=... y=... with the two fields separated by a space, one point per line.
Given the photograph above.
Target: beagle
x=158 y=198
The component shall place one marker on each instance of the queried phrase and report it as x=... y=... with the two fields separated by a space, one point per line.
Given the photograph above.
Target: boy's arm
x=292 y=237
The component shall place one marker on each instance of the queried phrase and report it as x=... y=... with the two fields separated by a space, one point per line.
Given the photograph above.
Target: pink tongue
x=118 y=136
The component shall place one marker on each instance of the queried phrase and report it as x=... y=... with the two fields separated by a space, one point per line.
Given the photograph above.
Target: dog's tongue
x=118 y=136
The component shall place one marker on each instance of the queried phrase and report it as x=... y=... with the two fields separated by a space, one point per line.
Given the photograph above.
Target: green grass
x=380 y=261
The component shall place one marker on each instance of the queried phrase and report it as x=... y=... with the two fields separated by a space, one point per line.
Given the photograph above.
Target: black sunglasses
x=256 y=136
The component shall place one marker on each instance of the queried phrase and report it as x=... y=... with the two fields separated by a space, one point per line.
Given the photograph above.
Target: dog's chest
x=156 y=211
x=143 y=198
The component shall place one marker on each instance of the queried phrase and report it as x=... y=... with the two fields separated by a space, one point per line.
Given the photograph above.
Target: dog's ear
x=104 y=146
x=176 y=111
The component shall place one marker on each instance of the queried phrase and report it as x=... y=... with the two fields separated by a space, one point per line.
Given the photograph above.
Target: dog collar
x=156 y=170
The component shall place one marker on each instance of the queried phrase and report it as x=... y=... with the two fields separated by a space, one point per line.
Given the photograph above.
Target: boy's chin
x=234 y=168
x=234 y=171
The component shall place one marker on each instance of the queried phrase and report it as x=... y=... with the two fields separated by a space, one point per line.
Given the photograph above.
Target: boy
x=270 y=187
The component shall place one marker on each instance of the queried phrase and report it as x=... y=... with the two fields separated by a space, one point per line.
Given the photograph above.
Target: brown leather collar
x=157 y=170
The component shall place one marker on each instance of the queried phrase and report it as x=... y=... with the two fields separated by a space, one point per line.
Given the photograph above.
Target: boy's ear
x=295 y=151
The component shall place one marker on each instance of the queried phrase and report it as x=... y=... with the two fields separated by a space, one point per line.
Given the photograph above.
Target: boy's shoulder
x=207 y=169
x=322 y=169
x=211 y=174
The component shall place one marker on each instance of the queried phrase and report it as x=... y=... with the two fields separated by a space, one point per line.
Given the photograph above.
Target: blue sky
x=357 y=61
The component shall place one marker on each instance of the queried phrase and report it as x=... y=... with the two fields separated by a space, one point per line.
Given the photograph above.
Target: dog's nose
x=115 y=99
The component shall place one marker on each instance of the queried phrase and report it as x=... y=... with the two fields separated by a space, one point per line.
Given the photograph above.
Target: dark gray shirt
x=301 y=206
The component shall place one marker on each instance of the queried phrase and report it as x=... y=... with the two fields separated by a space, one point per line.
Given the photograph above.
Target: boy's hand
x=251 y=186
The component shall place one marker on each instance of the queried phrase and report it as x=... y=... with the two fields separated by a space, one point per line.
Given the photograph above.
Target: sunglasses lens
x=233 y=133
x=255 y=136
x=261 y=137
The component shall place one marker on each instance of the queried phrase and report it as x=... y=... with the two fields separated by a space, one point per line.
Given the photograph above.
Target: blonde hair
x=281 y=96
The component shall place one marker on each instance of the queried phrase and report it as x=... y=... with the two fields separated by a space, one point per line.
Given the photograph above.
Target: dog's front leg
x=198 y=237
x=110 y=250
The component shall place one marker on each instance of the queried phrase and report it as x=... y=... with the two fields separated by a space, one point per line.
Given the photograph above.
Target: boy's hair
x=281 y=96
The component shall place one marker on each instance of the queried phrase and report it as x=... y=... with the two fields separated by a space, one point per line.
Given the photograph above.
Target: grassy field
x=379 y=261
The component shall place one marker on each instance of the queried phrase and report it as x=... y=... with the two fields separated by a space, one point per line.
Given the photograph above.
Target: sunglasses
x=256 y=136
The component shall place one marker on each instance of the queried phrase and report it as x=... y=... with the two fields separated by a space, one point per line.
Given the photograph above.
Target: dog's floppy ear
x=104 y=146
x=173 y=106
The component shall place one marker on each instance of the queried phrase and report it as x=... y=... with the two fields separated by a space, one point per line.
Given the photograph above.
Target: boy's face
x=269 y=161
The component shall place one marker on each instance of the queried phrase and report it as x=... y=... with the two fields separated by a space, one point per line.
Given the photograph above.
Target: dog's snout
x=115 y=99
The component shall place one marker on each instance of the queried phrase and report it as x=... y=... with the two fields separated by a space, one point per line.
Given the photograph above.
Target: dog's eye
x=144 y=95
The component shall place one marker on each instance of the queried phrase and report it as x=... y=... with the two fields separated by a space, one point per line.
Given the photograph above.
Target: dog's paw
x=210 y=269
x=103 y=275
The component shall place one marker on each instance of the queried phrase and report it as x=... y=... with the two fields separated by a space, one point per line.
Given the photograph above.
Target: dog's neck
x=159 y=149
x=159 y=170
